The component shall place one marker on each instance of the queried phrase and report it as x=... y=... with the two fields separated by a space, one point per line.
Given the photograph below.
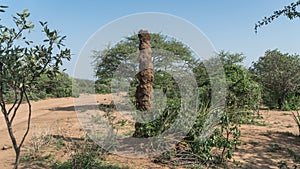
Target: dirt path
x=262 y=146
x=44 y=117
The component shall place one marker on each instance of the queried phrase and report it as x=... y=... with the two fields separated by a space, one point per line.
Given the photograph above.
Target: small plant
x=211 y=152
x=296 y=117
x=37 y=141
x=286 y=106
x=26 y=157
x=41 y=160
x=59 y=143
x=283 y=165
x=85 y=157
x=257 y=123
x=274 y=148
x=237 y=163
x=250 y=118
x=296 y=157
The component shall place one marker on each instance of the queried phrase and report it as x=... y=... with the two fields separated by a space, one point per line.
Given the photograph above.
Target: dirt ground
x=262 y=146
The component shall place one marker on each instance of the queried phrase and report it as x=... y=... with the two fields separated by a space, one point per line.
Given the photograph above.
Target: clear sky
x=229 y=25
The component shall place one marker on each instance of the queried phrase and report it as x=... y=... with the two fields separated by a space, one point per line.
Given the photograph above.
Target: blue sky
x=229 y=25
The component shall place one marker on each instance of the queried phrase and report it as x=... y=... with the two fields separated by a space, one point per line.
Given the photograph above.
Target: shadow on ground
x=269 y=150
x=80 y=108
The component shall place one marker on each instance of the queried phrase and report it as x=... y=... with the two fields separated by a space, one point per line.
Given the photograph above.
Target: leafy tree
x=279 y=76
x=243 y=92
x=21 y=63
x=59 y=85
x=290 y=11
x=165 y=52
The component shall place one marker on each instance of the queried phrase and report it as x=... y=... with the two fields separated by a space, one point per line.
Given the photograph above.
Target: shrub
x=86 y=157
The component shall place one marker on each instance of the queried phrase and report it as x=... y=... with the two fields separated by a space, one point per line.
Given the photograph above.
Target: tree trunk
x=17 y=159
x=144 y=91
x=280 y=103
x=281 y=100
x=13 y=139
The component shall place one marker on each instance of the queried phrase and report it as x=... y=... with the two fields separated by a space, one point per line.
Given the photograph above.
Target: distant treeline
x=61 y=85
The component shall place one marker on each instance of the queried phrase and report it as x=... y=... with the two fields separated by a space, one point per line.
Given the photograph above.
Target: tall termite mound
x=144 y=90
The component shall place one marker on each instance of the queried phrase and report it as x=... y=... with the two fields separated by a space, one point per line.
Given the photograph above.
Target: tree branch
x=289 y=11
x=15 y=102
x=16 y=108
x=29 y=117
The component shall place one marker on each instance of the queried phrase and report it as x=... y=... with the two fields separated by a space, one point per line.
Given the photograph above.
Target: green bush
x=205 y=146
x=225 y=137
x=88 y=157
x=57 y=86
x=285 y=106
x=102 y=88
x=37 y=95
x=293 y=102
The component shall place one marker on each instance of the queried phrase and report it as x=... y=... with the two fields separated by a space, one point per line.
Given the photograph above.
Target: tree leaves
x=22 y=64
x=2 y=7
x=165 y=51
x=279 y=75
x=289 y=11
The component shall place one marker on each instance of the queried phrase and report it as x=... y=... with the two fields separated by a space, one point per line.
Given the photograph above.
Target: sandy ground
x=265 y=146
x=44 y=118
x=261 y=146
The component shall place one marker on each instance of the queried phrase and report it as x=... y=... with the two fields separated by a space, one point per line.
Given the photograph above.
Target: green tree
x=165 y=53
x=278 y=73
x=59 y=85
x=243 y=93
x=21 y=63
x=290 y=11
